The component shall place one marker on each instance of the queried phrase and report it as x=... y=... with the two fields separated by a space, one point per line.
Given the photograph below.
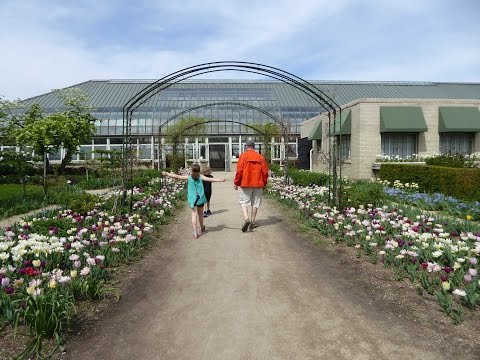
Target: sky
x=57 y=43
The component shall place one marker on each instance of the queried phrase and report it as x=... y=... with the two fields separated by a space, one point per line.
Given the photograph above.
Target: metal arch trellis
x=282 y=124
x=300 y=84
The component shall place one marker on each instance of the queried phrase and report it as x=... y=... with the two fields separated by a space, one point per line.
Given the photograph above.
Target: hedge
x=462 y=183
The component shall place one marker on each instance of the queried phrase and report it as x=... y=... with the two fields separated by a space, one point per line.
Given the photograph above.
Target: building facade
x=371 y=131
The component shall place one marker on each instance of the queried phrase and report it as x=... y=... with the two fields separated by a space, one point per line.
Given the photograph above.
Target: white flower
x=85 y=271
x=459 y=292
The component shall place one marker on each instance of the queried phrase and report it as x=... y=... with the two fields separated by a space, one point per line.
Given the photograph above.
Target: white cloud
x=58 y=45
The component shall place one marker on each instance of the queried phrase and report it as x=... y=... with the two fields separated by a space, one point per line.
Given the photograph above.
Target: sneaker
x=245 y=225
x=205 y=214
x=252 y=226
x=195 y=235
x=209 y=212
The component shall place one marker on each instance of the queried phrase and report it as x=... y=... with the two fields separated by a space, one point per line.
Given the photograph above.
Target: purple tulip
x=473 y=272
x=27 y=263
x=447 y=269
x=411 y=243
x=401 y=243
x=444 y=277
x=467 y=278
x=9 y=290
x=473 y=261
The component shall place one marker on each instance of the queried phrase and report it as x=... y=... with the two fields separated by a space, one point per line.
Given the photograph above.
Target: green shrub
x=363 y=193
x=460 y=183
x=75 y=199
x=307 y=178
x=142 y=177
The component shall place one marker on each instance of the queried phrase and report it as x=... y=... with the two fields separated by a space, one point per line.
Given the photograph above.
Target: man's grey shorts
x=250 y=196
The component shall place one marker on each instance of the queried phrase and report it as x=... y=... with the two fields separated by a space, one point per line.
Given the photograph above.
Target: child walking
x=195 y=195
x=207 y=186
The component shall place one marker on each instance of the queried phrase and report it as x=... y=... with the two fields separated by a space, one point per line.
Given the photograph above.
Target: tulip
x=9 y=290
x=473 y=272
x=446 y=285
x=5 y=282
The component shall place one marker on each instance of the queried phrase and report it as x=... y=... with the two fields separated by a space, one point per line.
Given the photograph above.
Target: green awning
x=316 y=132
x=458 y=119
x=402 y=119
x=343 y=124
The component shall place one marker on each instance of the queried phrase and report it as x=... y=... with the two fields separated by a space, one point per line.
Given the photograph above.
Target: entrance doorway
x=217 y=156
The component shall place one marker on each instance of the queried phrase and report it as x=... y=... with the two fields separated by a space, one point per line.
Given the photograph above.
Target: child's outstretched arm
x=175 y=176
x=209 y=179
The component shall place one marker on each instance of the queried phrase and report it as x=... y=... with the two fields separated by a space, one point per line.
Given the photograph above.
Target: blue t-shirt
x=194 y=188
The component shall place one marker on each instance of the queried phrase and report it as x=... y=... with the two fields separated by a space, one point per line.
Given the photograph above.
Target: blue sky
x=57 y=43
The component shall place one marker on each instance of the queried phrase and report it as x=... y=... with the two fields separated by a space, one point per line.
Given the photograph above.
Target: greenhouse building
x=390 y=119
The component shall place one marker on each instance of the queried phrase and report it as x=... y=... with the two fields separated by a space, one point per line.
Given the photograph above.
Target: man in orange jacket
x=251 y=177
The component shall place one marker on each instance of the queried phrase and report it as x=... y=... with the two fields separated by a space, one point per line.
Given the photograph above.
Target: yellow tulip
x=446 y=285
x=469 y=217
x=52 y=284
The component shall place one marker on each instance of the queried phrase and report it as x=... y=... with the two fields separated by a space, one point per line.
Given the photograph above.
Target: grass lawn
x=13 y=203
x=14 y=191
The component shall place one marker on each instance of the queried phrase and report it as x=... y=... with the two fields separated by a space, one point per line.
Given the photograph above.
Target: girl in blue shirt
x=195 y=195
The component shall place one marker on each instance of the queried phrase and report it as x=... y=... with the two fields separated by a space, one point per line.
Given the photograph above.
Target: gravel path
x=265 y=294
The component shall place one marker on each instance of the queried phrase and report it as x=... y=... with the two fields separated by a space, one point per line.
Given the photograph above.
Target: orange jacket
x=252 y=170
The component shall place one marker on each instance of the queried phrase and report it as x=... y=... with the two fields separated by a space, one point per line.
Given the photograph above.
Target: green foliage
x=20 y=164
x=363 y=193
x=459 y=183
x=68 y=129
x=275 y=168
x=72 y=197
x=142 y=177
x=307 y=178
x=10 y=120
x=12 y=201
x=175 y=161
x=452 y=160
x=268 y=131
x=184 y=127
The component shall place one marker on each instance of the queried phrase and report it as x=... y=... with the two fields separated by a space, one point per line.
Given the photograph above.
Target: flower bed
x=439 y=254
x=47 y=263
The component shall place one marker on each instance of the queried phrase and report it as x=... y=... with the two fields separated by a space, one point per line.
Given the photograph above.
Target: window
x=456 y=143
x=345 y=146
x=401 y=145
x=235 y=150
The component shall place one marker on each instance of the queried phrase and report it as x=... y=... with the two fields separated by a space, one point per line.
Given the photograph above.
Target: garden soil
x=270 y=293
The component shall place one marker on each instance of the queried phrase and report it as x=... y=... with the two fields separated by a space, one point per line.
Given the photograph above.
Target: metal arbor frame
x=324 y=100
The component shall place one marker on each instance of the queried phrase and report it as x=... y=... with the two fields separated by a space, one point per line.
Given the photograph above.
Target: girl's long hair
x=195 y=171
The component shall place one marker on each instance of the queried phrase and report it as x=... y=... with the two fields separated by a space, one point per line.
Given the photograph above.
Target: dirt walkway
x=266 y=294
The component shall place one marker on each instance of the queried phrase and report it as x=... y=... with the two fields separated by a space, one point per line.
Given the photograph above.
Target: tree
x=184 y=127
x=10 y=120
x=67 y=129
x=268 y=131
